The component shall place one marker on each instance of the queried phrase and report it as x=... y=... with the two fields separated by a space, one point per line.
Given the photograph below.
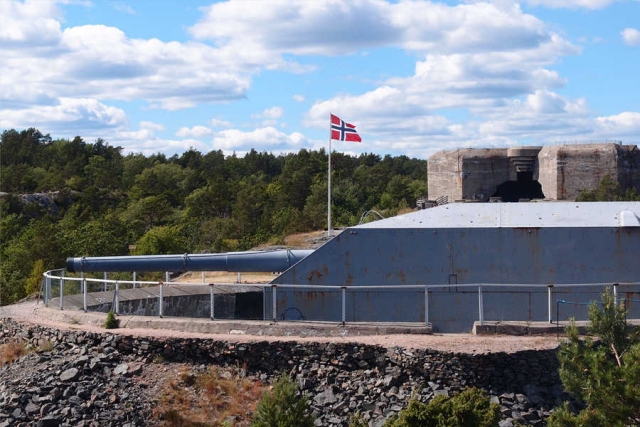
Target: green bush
x=283 y=407
x=601 y=370
x=111 y=322
x=470 y=408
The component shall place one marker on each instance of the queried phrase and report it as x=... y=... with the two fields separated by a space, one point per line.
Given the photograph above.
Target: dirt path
x=31 y=312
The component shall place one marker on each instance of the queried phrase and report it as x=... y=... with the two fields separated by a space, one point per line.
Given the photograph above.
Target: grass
x=214 y=397
x=12 y=351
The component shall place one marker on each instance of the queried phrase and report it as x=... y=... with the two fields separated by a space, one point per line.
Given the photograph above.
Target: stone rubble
x=88 y=379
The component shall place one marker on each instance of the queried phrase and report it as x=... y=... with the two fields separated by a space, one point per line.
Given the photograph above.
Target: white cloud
x=30 y=23
x=270 y=116
x=121 y=7
x=217 y=123
x=195 y=132
x=84 y=116
x=631 y=36
x=267 y=138
x=331 y=28
x=298 y=98
x=145 y=141
x=100 y=62
x=626 y=124
x=572 y=4
x=270 y=113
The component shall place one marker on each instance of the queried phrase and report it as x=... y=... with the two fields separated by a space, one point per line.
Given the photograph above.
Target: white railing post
x=274 y=301
x=615 y=294
x=480 y=306
x=550 y=305
x=105 y=281
x=344 y=304
x=166 y=277
x=84 y=293
x=160 y=311
x=426 y=306
x=239 y=278
x=134 y=280
x=61 y=282
x=47 y=290
x=117 y=298
x=212 y=314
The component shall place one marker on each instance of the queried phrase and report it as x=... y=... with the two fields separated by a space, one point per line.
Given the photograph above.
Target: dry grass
x=302 y=240
x=11 y=351
x=214 y=397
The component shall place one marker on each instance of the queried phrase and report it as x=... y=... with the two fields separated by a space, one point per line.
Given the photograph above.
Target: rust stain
x=349 y=279
x=317 y=274
x=403 y=277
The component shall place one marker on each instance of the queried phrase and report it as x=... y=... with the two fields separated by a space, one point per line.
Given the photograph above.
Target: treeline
x=104 y=202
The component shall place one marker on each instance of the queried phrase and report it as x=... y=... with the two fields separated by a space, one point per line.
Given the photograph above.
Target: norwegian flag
x=343 y=131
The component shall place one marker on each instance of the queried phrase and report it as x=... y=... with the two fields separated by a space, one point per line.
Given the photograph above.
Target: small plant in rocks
x=283 y=406
x=112 y=322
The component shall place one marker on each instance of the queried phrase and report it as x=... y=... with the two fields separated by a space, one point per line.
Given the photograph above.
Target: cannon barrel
x=250 y=261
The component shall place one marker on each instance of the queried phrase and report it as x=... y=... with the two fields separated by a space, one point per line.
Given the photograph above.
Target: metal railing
x=67 y=284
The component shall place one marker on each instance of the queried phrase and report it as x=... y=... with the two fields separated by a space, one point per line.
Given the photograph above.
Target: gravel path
x=31 y=312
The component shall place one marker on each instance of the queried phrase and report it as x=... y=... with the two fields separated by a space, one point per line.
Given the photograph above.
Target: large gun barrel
x=251 y=261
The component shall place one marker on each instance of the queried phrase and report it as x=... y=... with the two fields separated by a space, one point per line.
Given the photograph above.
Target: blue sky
x=413 y=76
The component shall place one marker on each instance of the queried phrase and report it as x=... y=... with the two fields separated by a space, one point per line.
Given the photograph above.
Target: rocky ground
x=74 y=385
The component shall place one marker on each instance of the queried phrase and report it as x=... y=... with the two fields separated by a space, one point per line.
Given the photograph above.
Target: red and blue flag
x=343 y=131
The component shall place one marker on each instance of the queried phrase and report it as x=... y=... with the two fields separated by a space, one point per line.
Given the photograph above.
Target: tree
x=283 y=407
x=162 y=241
x=604 y=373
x=608 y=190
x=470 y=408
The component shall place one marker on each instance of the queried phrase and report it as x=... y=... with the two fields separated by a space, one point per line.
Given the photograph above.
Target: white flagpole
x=329 y=183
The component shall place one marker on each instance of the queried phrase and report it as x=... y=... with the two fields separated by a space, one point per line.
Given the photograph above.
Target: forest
x=62 y=198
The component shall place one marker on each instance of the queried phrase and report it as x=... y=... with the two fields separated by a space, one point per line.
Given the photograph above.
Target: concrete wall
x=563 y=171
x=469 y=174
x=244 y=305
x=568 y=169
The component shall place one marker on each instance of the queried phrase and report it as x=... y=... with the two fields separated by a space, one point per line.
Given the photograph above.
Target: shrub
x=111 y=322
x=470 y=408
x=283 y=407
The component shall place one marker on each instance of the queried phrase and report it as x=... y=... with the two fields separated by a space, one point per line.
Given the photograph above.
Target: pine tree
x=602 y=371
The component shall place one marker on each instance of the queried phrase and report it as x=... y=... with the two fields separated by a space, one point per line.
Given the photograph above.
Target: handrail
x=481 y=287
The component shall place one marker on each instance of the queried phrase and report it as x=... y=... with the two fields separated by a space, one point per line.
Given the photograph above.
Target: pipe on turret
x=250 y=261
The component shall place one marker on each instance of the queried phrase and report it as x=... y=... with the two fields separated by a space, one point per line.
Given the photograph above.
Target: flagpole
x=329 y=183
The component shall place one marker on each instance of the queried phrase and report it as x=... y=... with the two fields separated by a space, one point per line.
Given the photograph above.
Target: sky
x=414 y=77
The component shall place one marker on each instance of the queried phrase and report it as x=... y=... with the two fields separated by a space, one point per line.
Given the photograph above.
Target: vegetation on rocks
x=208 y=396
x=470 y=408
x=283 y=406
x=11 y=351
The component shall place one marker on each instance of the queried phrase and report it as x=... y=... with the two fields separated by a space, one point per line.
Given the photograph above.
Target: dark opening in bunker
x=524 y=188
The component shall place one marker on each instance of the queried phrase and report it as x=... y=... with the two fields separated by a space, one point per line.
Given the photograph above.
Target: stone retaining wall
x=343 y=379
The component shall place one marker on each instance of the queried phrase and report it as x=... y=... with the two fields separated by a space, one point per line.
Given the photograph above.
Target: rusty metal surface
x=591 y=249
